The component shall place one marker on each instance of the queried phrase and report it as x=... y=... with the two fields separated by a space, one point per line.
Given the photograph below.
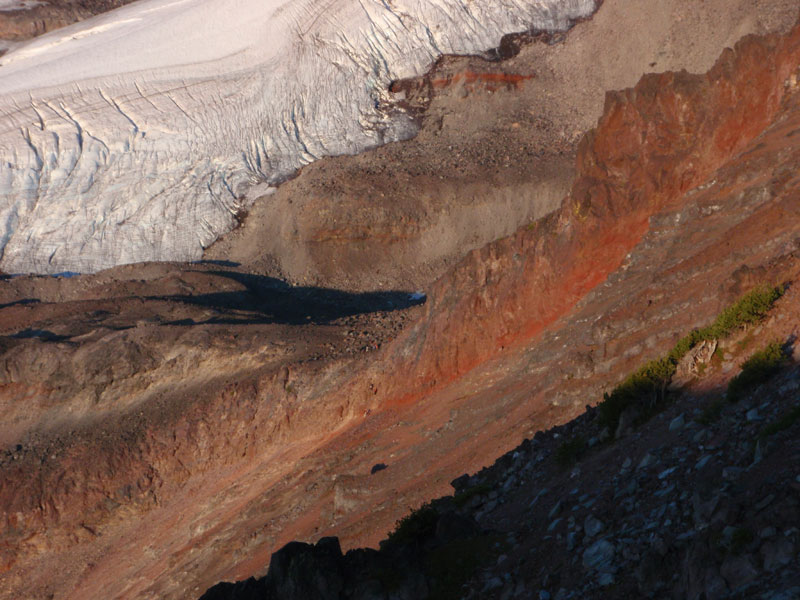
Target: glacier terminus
x=140 y=134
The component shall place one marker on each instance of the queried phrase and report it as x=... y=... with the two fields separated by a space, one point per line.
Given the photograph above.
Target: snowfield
x=141 y=133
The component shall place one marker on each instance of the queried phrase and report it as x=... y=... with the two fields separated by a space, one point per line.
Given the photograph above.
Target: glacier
x=142 y=133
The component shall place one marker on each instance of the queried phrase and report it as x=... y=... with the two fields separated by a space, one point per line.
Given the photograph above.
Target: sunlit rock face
x=140 y=134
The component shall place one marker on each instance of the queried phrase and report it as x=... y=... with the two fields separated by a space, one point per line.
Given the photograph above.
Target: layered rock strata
x=488 y=159
x=685 y=198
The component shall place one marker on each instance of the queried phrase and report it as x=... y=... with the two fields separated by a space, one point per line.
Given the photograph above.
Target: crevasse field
x=139 y=134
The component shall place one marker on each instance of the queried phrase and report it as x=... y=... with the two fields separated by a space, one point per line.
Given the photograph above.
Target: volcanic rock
x=174 y=425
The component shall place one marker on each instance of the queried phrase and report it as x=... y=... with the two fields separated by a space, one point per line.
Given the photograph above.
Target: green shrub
x=750 y=309
x=686 y=343
x=647 y=387
x=462 y=498
x=747 y=310
x=455 y=563
x=745 y=342
x=756 y=370
x=391 y=579
x=711 y=412
x=784 y=422
x=740 y=539
x=718 y=357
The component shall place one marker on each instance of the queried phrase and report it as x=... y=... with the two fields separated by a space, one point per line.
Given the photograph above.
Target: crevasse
x=139 y=134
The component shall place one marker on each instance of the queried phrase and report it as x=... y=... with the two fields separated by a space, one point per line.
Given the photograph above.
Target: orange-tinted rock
x=207 y=476
x=653 y=144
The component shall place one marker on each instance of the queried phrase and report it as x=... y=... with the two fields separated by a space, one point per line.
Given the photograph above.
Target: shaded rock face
x=163 y=490
x=407 y=567
x=300 y=573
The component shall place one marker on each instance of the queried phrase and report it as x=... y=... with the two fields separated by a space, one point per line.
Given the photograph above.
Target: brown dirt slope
x=191 y=420
x=496 y=149
x=701 y=500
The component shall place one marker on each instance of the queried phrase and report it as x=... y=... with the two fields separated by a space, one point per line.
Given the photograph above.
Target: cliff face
x=193 y=420
x=697 y=498
x=653 y=144
x=488 y=158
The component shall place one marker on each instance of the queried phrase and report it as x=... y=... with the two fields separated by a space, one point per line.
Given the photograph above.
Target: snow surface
x=141 y=133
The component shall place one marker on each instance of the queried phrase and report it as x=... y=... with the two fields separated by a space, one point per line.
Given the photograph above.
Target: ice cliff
x=140 y=134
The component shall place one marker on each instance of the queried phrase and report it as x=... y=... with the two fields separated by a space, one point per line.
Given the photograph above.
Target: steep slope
x=699 y=501
x=686 y=197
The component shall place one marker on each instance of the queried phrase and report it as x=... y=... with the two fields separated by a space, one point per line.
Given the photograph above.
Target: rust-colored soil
x=172 y=425
x=496 y=150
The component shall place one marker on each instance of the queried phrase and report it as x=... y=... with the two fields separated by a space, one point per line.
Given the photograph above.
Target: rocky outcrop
x=701 y=501
x=485 y=161
x=653 y=144
x=246 y=430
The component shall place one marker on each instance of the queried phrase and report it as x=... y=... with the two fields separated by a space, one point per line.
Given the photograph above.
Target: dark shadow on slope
x=42 y=334
x=218 y=263
x=22 y=302
x=441 y=551
x=269 y=300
